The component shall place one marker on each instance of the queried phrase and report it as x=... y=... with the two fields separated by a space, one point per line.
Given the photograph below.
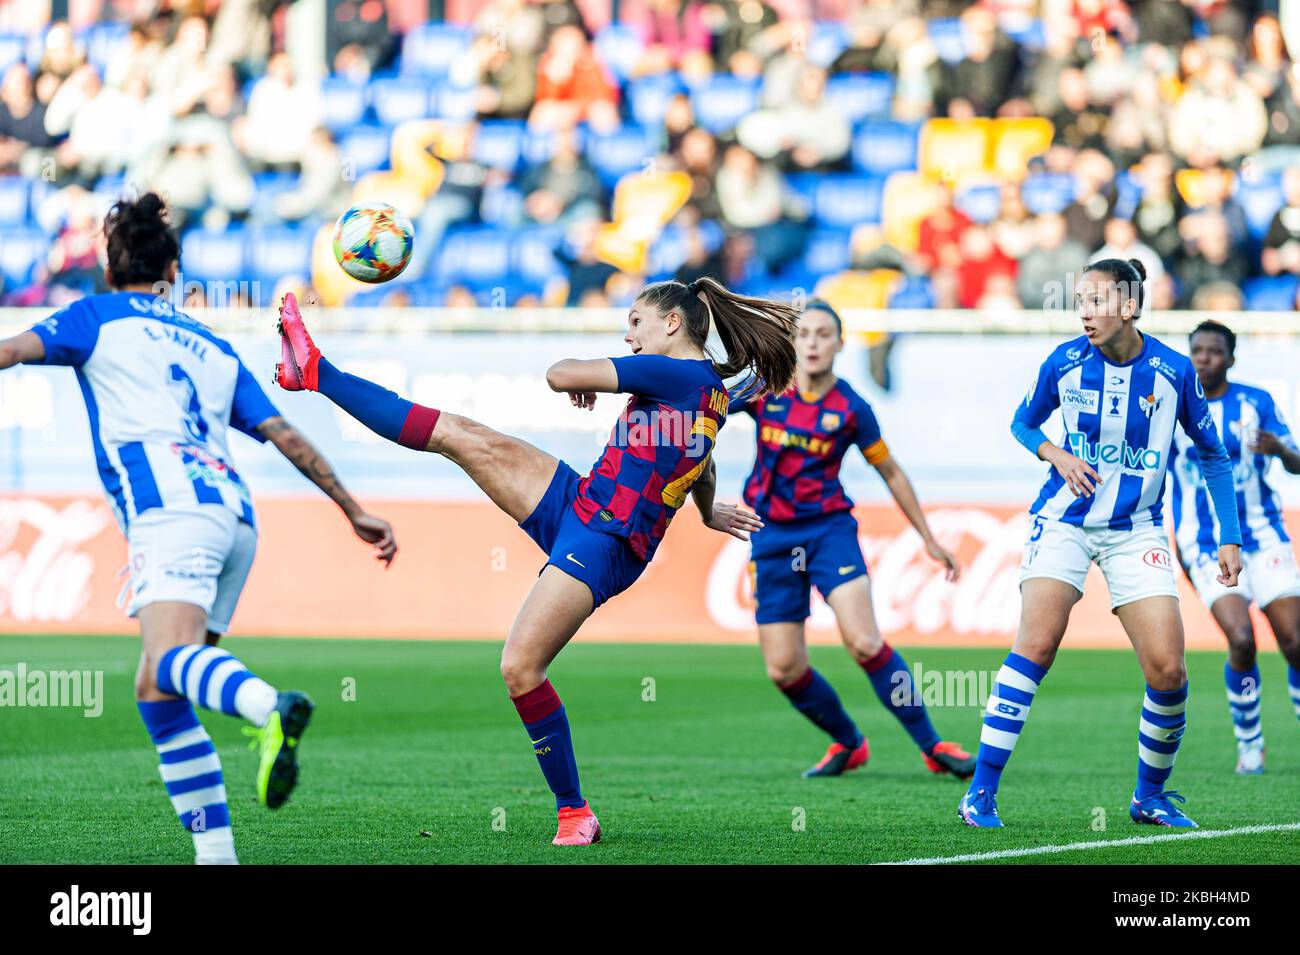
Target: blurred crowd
x=1175 y=123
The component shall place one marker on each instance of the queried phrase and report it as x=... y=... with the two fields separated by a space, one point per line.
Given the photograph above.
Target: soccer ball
x=373 y=242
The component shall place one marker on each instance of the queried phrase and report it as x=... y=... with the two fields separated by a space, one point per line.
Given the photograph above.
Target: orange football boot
x=839 y=759
x=299 y=369
x=578 y=826
x=950 y=758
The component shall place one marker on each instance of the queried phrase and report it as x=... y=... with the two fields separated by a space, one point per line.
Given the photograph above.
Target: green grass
x=417 y=767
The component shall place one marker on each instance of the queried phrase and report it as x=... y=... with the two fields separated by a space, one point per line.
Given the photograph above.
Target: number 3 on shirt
x=194 y=423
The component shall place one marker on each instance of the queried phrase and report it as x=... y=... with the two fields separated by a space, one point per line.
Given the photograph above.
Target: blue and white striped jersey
x=161 y=392
x=1121 y=420
x=1240 y=413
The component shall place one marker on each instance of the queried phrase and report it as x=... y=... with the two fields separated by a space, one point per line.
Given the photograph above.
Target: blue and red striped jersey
x=802 y=440
x=659 y=446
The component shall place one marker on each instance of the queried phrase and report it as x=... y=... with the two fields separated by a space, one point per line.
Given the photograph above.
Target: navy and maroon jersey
x=659 y=446
x=801 y=445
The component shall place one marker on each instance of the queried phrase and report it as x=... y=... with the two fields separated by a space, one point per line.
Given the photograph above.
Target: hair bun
x=1139 y=268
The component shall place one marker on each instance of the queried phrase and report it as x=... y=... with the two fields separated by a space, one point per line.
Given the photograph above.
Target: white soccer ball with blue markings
x=373 y=242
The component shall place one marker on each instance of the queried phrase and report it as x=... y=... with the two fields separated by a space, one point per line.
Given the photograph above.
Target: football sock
x=1293 y=683
x=215 y=680
x=816 y=699
x=1243 y=703
x=1004 y=717
x=1164 y=720
x=191 y=772
x=385 y=413
x=548 y=731
x=901 y=696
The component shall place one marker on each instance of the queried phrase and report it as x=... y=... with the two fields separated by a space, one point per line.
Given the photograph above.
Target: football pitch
x=688 y=755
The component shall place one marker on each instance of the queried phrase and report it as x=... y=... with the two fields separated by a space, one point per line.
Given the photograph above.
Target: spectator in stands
x=1122 y=242
x=1166 y=22
x=23 y=138
x=321 y=189
x=697 y=154
x=866 y=50
x=1282 y=243
x=919 y=69
x=1219 y=119
x=506 y=78
x=573 y=86
x=1283 y=108
x=810 y=133
x=587 y=274
x=1045 y=275
x=61 y=55
x=457 y=200
x=1267 y=62
x=564 y=189
x=204 y=178
x=1208 y=256
x=1094 y=197
x=735 y=24
x=940 y=235
x=1014 y=229
x=1215 y=195
x=981 y=261
x=1156 y=216
x=1218 y=297
x=182 y=72
x=283 y=113
x=1138 y=123
x=983 y=80
x=673 y=32
x=679 y=119
x=1079 y=123
x=107 y=129
x=754 y=198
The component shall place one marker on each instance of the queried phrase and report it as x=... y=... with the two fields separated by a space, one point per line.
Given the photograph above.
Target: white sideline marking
x=1098 y=844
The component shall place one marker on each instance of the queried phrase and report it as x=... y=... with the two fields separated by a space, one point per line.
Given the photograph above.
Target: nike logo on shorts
x=845 y=570
x=575 y=560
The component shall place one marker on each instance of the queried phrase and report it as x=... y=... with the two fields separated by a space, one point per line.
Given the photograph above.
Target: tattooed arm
x=290 y=442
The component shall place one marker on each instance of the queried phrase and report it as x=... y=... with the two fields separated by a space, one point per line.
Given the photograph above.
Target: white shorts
x=1266 y=575
x=1136 y=563
x=199 y=555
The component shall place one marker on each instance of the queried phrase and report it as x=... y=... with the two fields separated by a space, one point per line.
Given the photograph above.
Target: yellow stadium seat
x=951 y=149
x=622 y=247
x=909 y=198
x=1016 y=141
x=1194 y=186
x=332 y=284
x=655 y=197
x=858 y=289
x=412 y=153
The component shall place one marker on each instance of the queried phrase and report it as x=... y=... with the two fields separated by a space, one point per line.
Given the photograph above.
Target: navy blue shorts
x=605 y=563
x=788 y=558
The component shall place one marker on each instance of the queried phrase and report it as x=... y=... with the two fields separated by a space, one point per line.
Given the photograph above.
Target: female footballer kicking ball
x=810 y=538
x=1120 y=393
x=1253 y=434
x=600 y=531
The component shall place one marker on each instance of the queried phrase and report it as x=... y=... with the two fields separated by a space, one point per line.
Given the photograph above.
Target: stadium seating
x=400 y=98
x=861 y=95
x=473 y=256
x=275 y=253
x=430 y=48
x=344 y=103
x=1016 y=141
x=880 y=148
x=499 y=144
x=21 y=250
x=1271 y=293
x=648 y=97
x=213 y=256
x=847 y=200
x=1047 y=192
x=365 y=148
x=722 y=101
x=1261 y=196
x=826 y=251
x=619 y=47
x=951 y=149
x=14 y=193
x=625 y=150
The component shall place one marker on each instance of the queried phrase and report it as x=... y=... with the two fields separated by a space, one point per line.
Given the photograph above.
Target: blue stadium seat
x=614 y=154
x=1047 y=191
x=883 y=147
x=213 y=256
x=861 y=95
x=14 y=192
x=804 y=185
x=948 y=39
x=430 y=48
x=981 y=202
x=275 y=253
x=722 y=101
x=366 y=148
x=499 y=143
x=344 y=103
x=13 y=46
x=829 y=39
x=1031 y=34
x=453 y=102
x=537 y=147
x=619 y=47
x=826 y=251
x=1260 y=198
x=401 y=98
x=104 y=41
x=21 y=250
x=532 y=253
x=667 y=253
x=1271 y=293
x=474 y=256
x=501 y=204
x=913 y=291
x=848 y=200
x=1128 y=193
x=269 y=186
x=648 y=97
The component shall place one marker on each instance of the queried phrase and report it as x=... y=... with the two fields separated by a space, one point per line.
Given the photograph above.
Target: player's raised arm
x=582 y=378
x=27 y=347
x=290 y=442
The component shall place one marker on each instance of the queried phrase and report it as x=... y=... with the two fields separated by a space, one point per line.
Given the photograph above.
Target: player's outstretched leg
x=191 y=773
x=1156 y=631
x=1244 y=705
x=213 y=678
x=1004 y=718
x=891 y=677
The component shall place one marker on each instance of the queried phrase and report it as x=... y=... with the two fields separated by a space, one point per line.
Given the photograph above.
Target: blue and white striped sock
x=215 y=680
x=1243 y=703
x=1164 y=720
x=1293 y=684
x=1004 y=718
x=191 y=771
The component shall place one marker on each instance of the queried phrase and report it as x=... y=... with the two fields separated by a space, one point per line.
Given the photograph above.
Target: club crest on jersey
x=1073 y=354
x=830 y=420
x=1149 y=404
x=1084 y=399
